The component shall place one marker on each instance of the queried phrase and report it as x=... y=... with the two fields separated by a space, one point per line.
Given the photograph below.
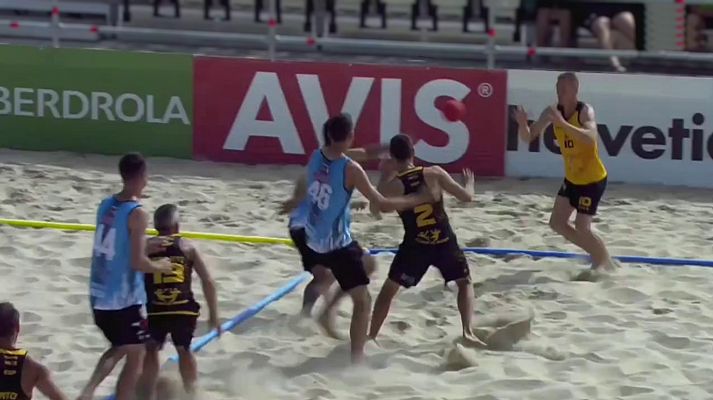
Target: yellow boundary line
x=63 y=226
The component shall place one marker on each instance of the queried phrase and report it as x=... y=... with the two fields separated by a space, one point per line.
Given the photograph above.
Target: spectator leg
x=228 y=11
x=543 y=29
x=381 y=6
x=309 y=8
x=332 y=8
x=156 y=5
x=258 y=10
x=414 y=16
x=625 y=24
x=363 y=11
x=467 y=12
x=564 y=18
x=601 y=28
x=177 y=8
x=127 y=11
x=206 y=8
x=695 y=38
x=433 y=11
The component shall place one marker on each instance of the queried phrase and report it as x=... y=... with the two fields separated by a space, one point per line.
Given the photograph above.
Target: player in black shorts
x=428 y=236
x=322 y=278
x=171 y=306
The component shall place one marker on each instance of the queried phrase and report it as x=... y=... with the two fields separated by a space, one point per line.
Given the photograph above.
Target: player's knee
x=583 y=226
x=557 y=225
x=361 y=297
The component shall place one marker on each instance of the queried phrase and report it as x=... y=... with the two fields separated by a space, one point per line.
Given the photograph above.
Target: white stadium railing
x=57 y=31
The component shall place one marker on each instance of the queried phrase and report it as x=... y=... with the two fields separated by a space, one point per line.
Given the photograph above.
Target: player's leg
x=322 y=278
x=131 y=372
x=348 y=267
x=407 y=269
x=104 y=366
x=106 y=321
x=134 y=334
x=382 y=305
x=188 y=367
x=450 y=260
x=146 y=387
x=588 y=203
x=182 y=336
x=565 y=205
x=158 y=331
x=328 y=316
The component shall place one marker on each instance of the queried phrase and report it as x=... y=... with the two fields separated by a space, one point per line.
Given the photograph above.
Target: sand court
x=642 y=333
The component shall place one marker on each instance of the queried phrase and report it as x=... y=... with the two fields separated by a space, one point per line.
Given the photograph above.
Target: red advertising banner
x=261 y=112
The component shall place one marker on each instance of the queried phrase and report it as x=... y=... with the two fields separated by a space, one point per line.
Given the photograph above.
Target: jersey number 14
x=105 y=245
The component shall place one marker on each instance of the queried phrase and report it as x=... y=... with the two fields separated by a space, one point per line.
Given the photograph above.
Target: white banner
x=652 y=129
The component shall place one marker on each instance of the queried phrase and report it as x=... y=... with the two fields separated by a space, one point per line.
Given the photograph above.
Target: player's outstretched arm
x=138 y=222
x=208 y=285
x=299 y=193
x=529 y=132
x=366 y=153
x=357 y=178
x=463 y=193
x=44 y=382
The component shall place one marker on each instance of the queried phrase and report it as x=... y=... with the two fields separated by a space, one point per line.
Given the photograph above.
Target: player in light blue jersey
x=298 y=207
x=331 y=178
x=117 y=293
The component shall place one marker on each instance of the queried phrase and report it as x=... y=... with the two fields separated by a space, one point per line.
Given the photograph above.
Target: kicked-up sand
x=642 y=333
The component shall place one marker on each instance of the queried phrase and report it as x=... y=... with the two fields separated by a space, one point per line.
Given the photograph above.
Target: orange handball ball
x=454 y=110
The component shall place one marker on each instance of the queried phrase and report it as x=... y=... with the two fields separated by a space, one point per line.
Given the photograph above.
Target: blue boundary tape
x=245 y=315
x=560 y=254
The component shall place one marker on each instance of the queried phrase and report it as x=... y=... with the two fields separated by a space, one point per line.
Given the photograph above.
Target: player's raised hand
x=287 y=206
x=163 y=265
x=556 y=116
x=520 y=116
x=469 y=180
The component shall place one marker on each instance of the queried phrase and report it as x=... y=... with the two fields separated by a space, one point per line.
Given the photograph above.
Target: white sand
x=645 y=333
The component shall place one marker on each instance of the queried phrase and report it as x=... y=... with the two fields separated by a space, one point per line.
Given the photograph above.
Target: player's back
x=427 y=223
x=12 y=362
x=329 y=217
x=171 y=293
x=115 y=285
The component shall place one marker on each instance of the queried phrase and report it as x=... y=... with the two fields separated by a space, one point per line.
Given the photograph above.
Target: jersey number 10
x=105 y=246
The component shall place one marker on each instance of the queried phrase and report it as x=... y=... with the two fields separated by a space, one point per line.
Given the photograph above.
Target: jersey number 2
x=105 y=245
x=424 y=215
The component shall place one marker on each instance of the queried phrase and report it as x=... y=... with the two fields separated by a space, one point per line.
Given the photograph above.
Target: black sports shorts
x=309 y=256
x=413 y=260
x=123 y=327
x=584 y=198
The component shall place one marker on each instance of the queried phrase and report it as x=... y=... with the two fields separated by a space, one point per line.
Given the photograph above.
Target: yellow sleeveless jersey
x=582 y=164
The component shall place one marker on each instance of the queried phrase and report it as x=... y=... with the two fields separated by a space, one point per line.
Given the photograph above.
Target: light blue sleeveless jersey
x=329 y=212
x=115 y=285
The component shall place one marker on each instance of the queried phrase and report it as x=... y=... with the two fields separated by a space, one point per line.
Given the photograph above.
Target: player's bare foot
x=326 y=321
x=471 y=340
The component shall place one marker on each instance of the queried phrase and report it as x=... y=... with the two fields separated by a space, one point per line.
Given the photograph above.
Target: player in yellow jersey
x=585 y=175
x=20 y=375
